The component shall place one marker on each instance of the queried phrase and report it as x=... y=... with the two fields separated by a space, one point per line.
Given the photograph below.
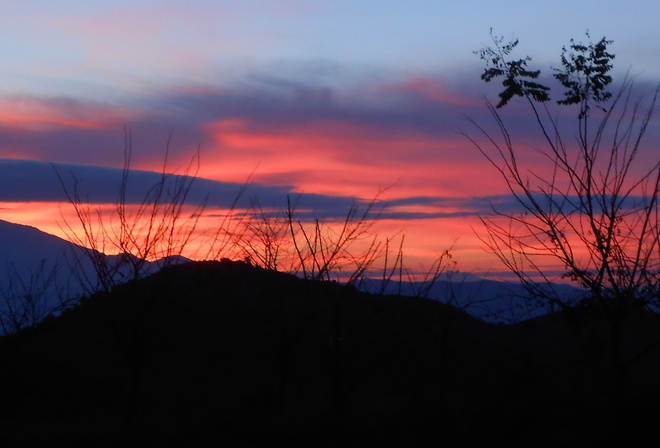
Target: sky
x=334 y=102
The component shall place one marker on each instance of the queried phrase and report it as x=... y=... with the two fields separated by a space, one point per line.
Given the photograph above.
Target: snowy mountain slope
x=28 y=253
x=40 y=273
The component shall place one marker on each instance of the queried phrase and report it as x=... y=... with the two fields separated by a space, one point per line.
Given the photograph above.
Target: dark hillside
x=225 y=354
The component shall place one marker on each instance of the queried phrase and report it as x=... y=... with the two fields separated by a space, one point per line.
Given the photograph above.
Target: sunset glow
x=279 y=98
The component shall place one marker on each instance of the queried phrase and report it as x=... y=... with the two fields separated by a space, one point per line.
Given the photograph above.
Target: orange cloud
x=46 y=216
x=61 y=220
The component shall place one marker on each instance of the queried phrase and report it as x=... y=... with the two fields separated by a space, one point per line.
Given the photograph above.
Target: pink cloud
x=433 y=90
x=340 y=158
x=30 y=114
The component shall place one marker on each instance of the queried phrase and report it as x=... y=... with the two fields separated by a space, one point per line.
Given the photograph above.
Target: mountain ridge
x=225 y=353
x=49 y=263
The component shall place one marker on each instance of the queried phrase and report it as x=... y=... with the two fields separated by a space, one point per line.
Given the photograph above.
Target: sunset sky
x=338 y=100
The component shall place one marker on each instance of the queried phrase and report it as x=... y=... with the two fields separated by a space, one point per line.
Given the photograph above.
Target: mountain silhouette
x=50 y=272
x=56 y=270
x=227 y=354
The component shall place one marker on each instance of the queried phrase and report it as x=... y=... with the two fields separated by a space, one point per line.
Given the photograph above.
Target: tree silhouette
x=593 y=206
x=156 y=229
x=517 y=78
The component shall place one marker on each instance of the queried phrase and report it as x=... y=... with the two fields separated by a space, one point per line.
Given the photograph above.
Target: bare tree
x=593 y=207
x=156 y=229
x=264 y=239
x=315 y=249
x=323 y=250
x=26 y=300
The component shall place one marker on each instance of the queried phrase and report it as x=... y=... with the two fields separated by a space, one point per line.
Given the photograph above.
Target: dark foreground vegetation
x=226 y=354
